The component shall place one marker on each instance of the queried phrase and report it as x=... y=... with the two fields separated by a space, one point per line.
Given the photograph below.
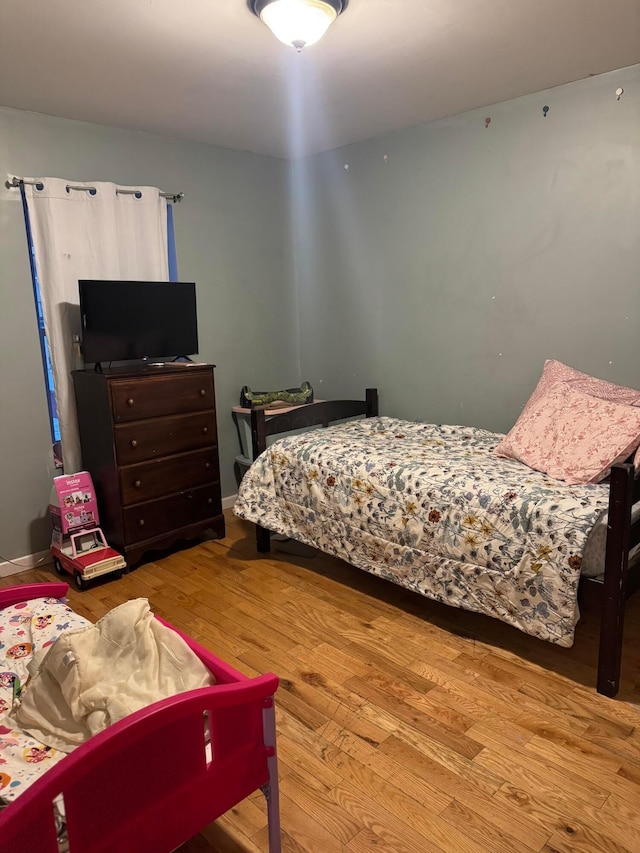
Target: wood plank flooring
x=403 y=725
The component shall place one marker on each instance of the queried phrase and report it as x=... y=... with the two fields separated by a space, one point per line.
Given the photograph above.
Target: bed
x=150 y=781
x=435 y=509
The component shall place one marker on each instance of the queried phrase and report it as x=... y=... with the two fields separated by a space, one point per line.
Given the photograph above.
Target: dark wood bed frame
x=609 y=593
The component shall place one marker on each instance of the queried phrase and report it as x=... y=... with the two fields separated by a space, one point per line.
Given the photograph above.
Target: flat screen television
x=127 y=320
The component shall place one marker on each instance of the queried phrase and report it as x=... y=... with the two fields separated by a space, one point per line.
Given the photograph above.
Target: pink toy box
x=75 y=502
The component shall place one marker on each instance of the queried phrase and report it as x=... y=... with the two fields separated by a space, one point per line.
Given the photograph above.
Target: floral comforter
x=432 y=508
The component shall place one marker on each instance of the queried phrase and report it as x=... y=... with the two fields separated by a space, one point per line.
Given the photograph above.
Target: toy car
x=85 y=555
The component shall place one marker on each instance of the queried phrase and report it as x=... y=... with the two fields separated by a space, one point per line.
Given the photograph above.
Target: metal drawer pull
x=133 y=442
x=130 y=401
x=137 y=483
x=205 y=430
x=207 y=465
x=141 y=522
x=209 y=500
x=202 y=392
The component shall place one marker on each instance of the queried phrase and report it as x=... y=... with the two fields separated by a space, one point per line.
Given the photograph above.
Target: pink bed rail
x=155 y=779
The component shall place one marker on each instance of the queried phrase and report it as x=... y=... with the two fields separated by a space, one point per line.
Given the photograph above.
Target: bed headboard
x=313 y=414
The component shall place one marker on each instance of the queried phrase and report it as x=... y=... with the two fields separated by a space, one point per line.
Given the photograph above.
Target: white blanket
x=95 y=676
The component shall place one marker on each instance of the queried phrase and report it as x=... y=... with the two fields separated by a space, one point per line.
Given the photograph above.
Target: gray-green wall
x=230 y=240
x=444 y=274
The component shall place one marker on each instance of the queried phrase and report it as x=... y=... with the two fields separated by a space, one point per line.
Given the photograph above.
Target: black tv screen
x=126 y=320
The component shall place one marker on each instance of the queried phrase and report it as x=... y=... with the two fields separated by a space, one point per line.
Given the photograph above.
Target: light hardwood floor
x=403 y=725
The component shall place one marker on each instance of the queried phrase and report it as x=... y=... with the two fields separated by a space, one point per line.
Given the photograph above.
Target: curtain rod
x=16 y=182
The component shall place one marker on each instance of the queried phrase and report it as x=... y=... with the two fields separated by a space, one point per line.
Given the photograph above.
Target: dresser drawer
x=156 y=396
x=141 y=440
x=155 y=518
x=165 y=476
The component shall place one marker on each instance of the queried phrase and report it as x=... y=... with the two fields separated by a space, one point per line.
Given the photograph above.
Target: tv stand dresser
x=149 y=440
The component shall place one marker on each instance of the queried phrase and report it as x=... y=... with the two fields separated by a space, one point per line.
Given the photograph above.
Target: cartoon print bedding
x=26 y=629
x=71 y=679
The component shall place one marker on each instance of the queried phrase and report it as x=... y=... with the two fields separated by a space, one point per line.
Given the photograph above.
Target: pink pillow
x=555 y=372
x=573 y=436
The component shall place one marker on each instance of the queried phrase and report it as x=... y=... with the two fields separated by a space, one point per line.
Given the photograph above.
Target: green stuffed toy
x=291 y=396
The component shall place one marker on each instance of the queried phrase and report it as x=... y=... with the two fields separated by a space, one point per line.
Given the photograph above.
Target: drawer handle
x=202 y=392
x=207 y=465
x=205 y=430
x=137 y=483
x=141 y=522
x=209 y=500
x=133 y=442
x=130 y=401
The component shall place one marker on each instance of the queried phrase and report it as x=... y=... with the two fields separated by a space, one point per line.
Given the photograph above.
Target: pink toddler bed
x=151 y=781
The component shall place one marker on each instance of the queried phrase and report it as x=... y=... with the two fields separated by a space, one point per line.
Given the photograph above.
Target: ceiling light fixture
x=299 y=23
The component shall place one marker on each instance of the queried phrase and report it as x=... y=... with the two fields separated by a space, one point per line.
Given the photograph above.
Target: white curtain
x=95 y=235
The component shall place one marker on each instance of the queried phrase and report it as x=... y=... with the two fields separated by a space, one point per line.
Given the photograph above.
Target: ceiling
x=210 y=71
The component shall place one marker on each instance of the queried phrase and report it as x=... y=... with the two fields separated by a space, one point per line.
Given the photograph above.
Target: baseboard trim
x=31 y=561
x=23 y=564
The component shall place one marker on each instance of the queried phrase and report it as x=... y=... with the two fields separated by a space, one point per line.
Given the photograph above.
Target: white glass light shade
x=298 y=22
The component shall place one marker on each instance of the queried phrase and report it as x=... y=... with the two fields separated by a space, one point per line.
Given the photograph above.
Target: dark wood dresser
x=149 y=440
